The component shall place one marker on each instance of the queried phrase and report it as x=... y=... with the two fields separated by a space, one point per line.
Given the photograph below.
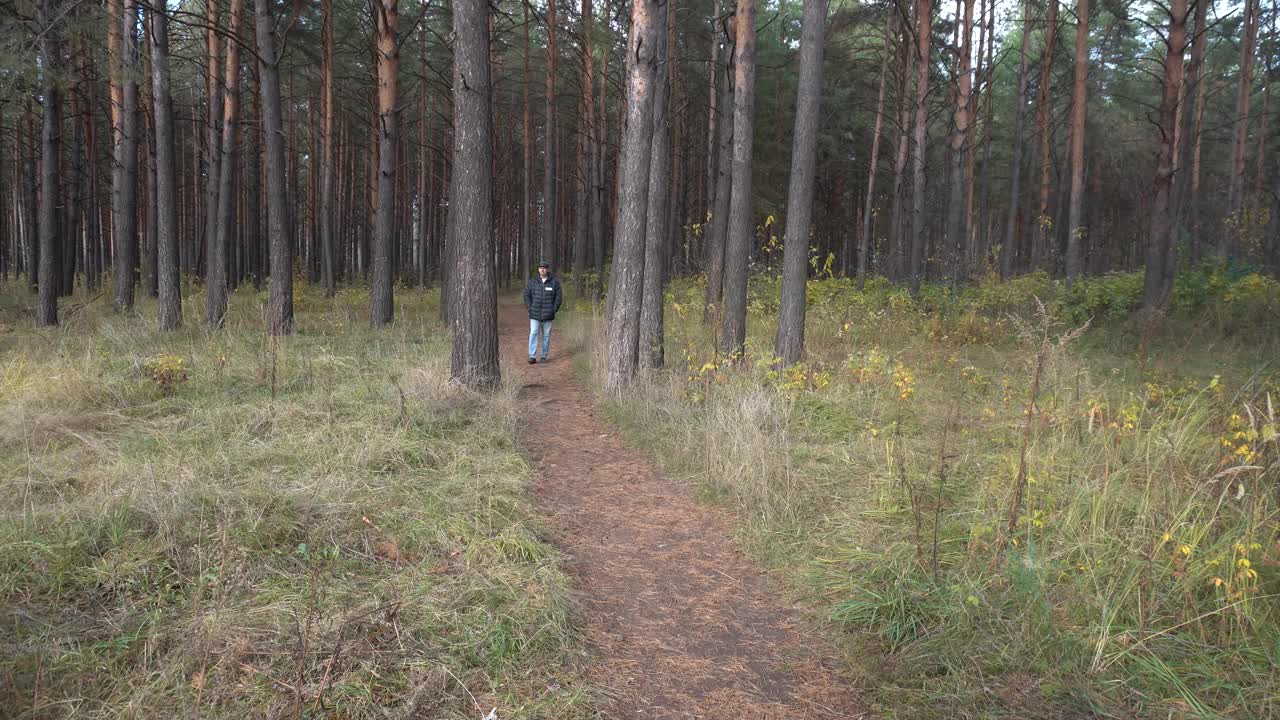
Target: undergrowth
x=1107 y=545
x=215 y=524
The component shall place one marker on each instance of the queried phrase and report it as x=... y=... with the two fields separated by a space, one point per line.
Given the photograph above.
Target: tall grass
x=1140 y=576
x=214 y=524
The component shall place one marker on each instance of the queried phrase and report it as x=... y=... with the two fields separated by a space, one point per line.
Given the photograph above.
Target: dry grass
x=319 y=527
x=1125 y=587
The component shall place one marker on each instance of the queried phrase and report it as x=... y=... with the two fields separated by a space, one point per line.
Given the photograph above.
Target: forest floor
x=877 y=483
x=210 y=524
x=682 y=624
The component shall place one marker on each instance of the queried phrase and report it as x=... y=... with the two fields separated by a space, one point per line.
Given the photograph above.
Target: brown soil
x=681 y=624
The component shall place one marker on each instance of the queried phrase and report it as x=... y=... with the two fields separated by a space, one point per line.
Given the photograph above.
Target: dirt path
x=681 y=623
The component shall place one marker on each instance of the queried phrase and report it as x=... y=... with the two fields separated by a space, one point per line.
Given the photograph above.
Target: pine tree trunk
x=213 y=130
x=1240 y=137
x=1044 y=116
x=475 y=321
x=738 y=240
x=72 y=228
x=968 y=258
x=627 y=277
x=424 y=173
x=864 y=233
x=1155 y=292
x=92 y=207
x=50 y=153
x=897 y=216
x=1188 y=196
x=924 y=29
x=586 y=106
x=73 y=200
x=386 y=19
x=216 y=260
x=253 y=191
x=326 y=221
x=167 y=281
x=29 y=214
x=1009 y=250
x=280 y=303
x=526 y=203
x=6 y=228
x=1264 y=132
x=723 y=197
x=713 y=72
x=956 y=229
x=550 y=206
x=656 y=218
x=147 y=263
x=1075 y=227
x=984 y=205
x=599 y=199
x=124 y=193
x=795 y=262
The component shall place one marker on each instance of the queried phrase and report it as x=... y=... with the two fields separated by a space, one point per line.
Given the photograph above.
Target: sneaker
x=543 y=360
x=532 y=360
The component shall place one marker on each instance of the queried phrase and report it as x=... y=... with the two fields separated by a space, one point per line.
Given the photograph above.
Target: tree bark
x=327 y=259
x=1195 y=120
x=586 y=106
x=599 y=199
x=626 y=279
x=280 y=302
x=738 y=241
x=213 y=130
x=386 y=15
x=1009 y=250
x=968 y=258
x=713 y=71
x=475 y=321
x=526 y=204
x=924 y=27
x=868 y=211
x=956 y=229
x=1155 y=292
x=724 y=193
x=897 y=234
x=550 y=206
x=655 y=232
x=1075 y=227
x=795 y=261
x=167 y=281
x=147 y=254
x=1044 y=116
x=216 y=280
x=1240 y=136
x=72 y=227
x=253 y=191
x=50 y=153
x=124 y=191
x=426 y=183
x=29 y=213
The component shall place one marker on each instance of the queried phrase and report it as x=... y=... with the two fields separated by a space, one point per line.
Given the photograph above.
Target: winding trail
x=681 y=624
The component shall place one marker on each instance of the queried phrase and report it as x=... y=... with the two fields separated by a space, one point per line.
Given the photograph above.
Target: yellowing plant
x=903 y=381
x=166 y=371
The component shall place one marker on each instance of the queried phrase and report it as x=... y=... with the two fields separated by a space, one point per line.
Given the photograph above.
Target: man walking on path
x=542 y=297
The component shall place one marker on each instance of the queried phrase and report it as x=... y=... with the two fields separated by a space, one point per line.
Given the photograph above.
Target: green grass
x=321 y=526
x=1125 y=588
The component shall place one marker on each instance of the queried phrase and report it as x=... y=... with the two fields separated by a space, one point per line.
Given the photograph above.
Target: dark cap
x=544 y=264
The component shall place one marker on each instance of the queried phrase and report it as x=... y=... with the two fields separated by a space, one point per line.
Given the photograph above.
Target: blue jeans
x=536 y=328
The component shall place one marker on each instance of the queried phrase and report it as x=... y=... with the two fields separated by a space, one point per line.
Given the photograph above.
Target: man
x=542 y=297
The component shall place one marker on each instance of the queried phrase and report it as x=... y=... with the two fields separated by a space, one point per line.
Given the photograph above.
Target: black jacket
x=543 y=298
